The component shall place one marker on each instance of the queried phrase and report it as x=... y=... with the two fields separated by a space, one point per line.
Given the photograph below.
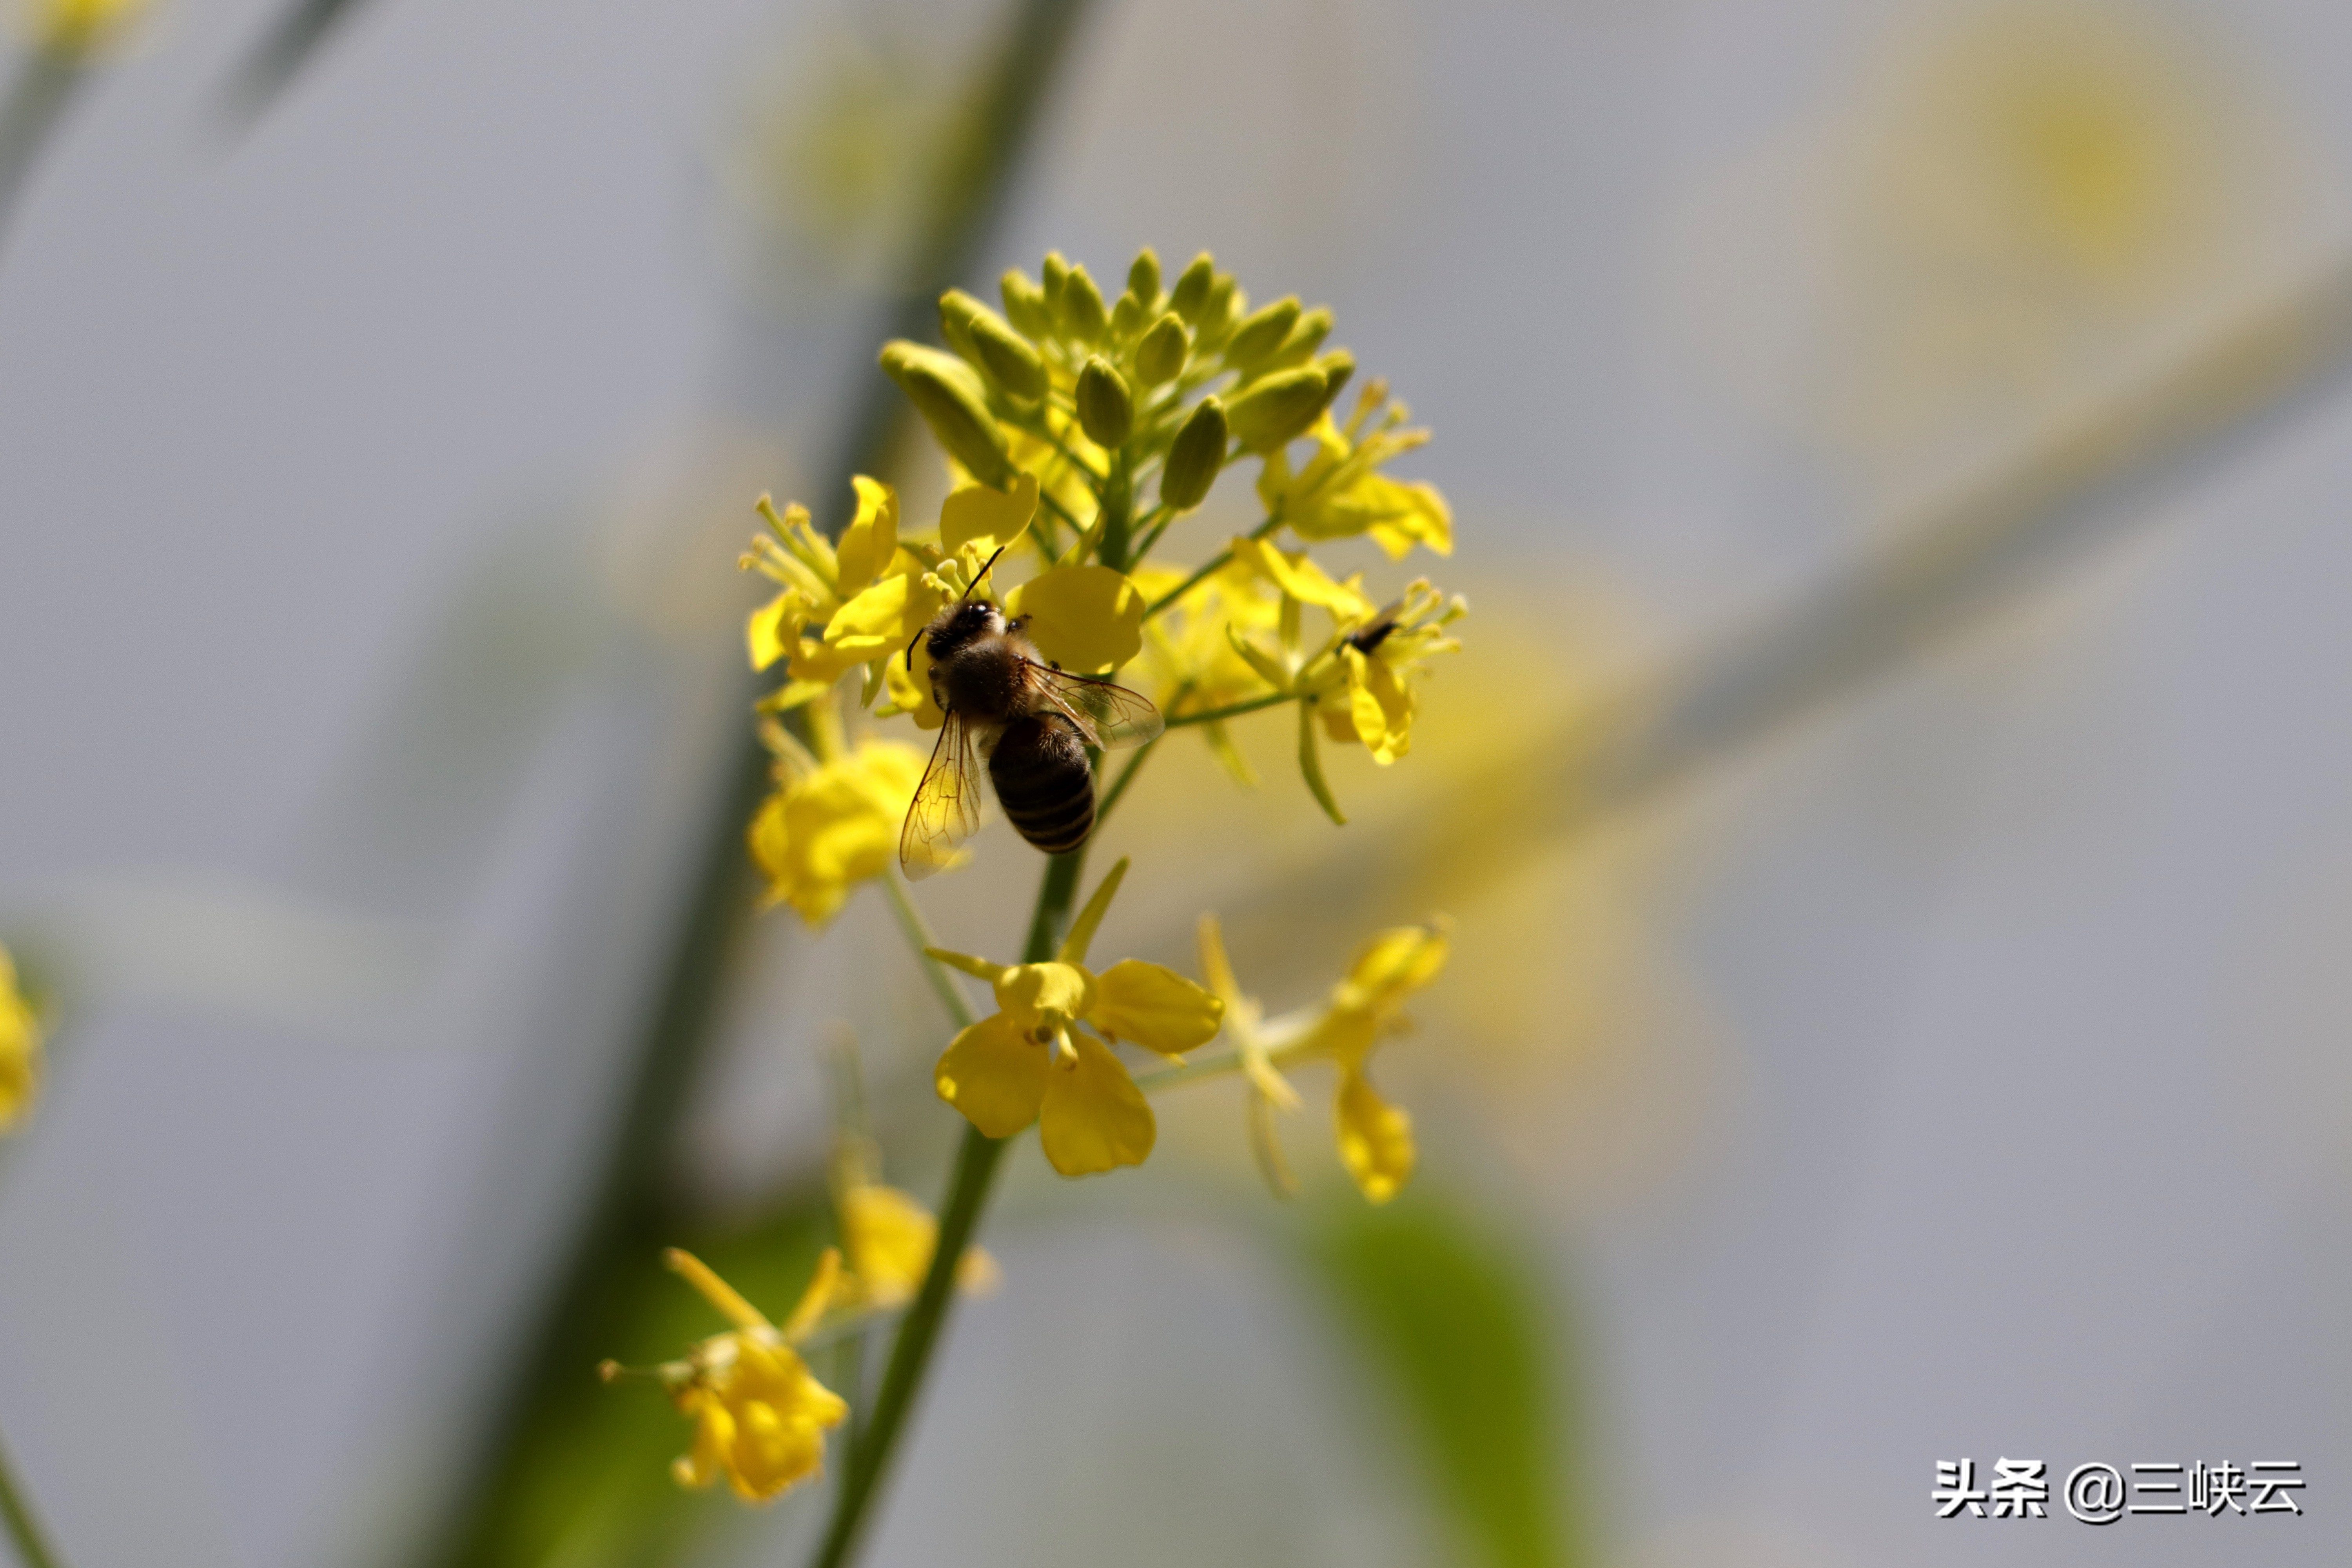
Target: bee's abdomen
x=1042 y=782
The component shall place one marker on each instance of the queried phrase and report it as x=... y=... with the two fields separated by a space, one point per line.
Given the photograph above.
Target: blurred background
x=1944 y=1058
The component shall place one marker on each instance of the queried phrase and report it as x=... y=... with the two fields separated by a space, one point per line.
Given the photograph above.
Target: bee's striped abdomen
x=1042 y=782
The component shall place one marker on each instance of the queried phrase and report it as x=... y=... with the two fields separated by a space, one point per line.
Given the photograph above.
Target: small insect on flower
x=1031 y=719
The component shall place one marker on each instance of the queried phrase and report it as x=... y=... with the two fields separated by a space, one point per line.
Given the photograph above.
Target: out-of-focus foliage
x=1455 y=1327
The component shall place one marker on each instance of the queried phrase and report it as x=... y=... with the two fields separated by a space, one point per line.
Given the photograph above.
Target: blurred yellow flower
x=1379 y=658
x=20 y=1048
x=889 y=1237
x=78 y=28
x=1030 y=1062
x=1374 y=1138
x=832 y=825
x=1341 y=493
x=760 y=1416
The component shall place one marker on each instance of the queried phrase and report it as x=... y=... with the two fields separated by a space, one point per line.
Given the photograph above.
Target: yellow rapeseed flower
x=1341 y=493
x=889 y=1238
x=1379 y=657
x=831 y=825
x=20 y=1048
x=1375 y=1137
x=760 y=1415
x=1029 y=1061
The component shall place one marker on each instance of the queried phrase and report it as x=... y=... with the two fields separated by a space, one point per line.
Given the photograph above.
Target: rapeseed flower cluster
x=1375 y=1137
x=1081 y=432
x=760 y=1415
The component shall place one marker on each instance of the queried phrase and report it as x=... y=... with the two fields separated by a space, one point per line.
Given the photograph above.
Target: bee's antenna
x=910 y=648
x=983 y=571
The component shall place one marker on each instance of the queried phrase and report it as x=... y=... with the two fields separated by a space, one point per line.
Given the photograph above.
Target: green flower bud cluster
x=1169 y=381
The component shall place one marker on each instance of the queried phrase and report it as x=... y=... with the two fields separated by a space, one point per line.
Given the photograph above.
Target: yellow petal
x=1381 y=705
x=1154 y=1006
x=818 y=836
x=1301 y=579
x=1394 y=964
x=714 y=1439
x=1087 y=619
x=883 y=618
x=974 y=512
x=775 y=629
x=1044 y=997
x=995 y=1075
x=910 y=689
x=890 y=1237
x=1412 y=514
x=1375 y=1138
x=825 y=663
x=872 y=537
x=1094 y=1117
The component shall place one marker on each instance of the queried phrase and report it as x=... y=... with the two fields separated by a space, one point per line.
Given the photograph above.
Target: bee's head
x=958 y=624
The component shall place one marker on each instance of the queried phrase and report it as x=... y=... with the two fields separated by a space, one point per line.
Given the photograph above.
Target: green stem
x=16 y=1513
x=1155 y=523
x=919 y=1332
x=1231 y=711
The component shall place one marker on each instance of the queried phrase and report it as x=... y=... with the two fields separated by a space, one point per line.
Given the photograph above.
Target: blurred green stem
x=632 y=1210
x=16 y=1513
x=919 y=1332
x=44 y=85
x=1231 y=711
x=918 y=932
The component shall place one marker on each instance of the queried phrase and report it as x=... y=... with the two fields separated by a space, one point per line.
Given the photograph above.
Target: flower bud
x=955 y=310
x=1305 y=336
x=1225 y=304
x=1336 y=367
x=1057 y=273
x=1277 y=408
x=1194 y=460
x=1143 y=277
x=949 y=396
x=1262 y=333
x=1191 y=290
x=1024 y=304
x=983 y=338
x=1126 y=319
x=1106 y=408
x=1084 y=315
x=1163 y=351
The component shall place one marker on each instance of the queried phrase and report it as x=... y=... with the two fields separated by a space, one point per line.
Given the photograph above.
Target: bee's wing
x=946 y=804
x=1108 y=714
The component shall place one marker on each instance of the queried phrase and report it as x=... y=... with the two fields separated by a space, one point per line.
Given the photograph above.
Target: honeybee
x=1031 y=722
